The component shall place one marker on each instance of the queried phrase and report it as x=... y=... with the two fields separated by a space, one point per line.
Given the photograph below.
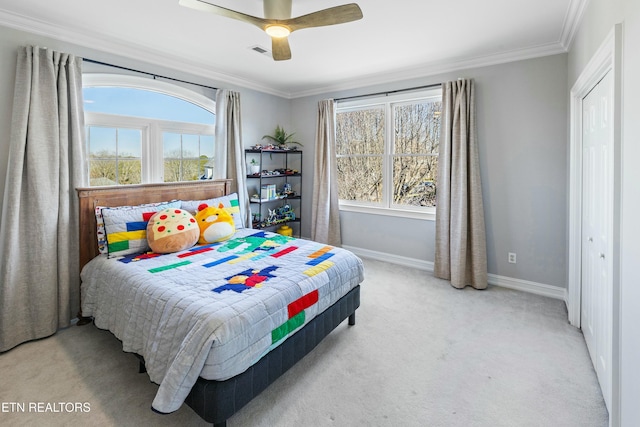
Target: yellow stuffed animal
x=216 y=224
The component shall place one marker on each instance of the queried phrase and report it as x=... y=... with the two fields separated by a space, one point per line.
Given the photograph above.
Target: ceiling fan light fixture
x=278 y=31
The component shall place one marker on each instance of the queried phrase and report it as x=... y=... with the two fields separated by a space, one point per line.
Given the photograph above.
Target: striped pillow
x=126 y=227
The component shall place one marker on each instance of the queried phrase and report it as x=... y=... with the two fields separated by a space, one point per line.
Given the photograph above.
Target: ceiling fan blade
x=280 y=48
x=333 y=15
x=222 y=11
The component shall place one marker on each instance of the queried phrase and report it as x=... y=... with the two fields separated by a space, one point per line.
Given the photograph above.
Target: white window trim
x=393 y=211
x=125 y=122
x=137 y=82
x=152 y=168
x=387 y=102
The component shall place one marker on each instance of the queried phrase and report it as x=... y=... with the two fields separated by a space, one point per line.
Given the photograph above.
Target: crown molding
x=570 y=26
x=126 y=49
x=123 y=48
x=435 y=68
x=572 y=21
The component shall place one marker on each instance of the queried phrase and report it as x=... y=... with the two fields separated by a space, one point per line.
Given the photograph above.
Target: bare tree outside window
x=360 y=148
x=415 y=159
x=388 y=153
x=114 y=156
x=185 y=156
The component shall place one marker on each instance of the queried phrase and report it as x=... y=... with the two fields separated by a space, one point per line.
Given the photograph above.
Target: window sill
x=402 y=213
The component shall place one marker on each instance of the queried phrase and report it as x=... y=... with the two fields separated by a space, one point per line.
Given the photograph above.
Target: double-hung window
x=387 y=153
x=140 y=130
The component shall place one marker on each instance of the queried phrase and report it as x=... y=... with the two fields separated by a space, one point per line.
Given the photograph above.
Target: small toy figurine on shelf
x=272 y=216
x=256 y=218
x=285 y=213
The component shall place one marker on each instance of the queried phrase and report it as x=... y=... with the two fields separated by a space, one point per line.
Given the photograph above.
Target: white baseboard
x=527 y=286
x=394 y=259
x=502 y=281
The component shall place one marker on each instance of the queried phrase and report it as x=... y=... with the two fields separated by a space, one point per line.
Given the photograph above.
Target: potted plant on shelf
x=281 y=138
x=254 y=167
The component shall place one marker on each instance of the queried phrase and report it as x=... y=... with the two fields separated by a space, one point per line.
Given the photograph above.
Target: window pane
x=206 y=146
x=414 y=180
x=360 y=178
x=360 y=131
x=143 y=103
x=172 y=170
x=102 y=141
x=172 y=154
x=129 y=171
x=190 y=146
x=129 y=143
x=191 y=169
x=102 y=172
x=171 y=143
x=185 y=155
x=114 y=155
x=417 y=127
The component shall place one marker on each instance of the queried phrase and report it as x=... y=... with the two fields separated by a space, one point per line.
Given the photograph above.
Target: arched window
x=140 y=130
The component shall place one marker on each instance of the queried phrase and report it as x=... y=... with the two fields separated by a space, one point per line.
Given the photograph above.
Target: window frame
x=152 y=163
x=387 y=206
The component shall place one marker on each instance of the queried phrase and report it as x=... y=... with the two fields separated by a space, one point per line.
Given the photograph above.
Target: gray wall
x=599 y=18
x=522 y=119
x=522 y=155
x=260 y=112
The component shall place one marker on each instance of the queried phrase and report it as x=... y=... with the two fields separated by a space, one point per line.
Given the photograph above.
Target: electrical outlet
x=512 y=257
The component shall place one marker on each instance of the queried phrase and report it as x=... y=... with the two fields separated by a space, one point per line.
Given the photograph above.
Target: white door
x=597 y=229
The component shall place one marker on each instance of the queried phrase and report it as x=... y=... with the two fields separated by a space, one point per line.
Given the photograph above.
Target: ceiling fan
x=278 y=22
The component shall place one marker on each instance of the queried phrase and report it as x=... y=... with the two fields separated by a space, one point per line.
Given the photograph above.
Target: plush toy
x=216 y=224
x=172 y=230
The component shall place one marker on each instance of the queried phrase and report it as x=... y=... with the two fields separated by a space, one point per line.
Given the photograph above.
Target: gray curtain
x=39 y=274
x=325 y=213
x=460 y=231
x=230 y=150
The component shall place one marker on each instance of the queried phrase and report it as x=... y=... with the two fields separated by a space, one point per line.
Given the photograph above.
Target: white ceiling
x=395 y=39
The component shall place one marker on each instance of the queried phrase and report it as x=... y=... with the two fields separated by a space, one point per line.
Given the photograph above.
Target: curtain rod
x=93 y=61
x=388 y=92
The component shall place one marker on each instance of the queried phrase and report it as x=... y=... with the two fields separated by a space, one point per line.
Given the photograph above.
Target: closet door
x=597 y=228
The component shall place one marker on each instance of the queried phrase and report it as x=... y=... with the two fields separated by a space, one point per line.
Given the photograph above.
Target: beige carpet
x=421 y=354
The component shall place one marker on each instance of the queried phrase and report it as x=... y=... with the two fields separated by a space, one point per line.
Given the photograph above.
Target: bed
x=214 y=324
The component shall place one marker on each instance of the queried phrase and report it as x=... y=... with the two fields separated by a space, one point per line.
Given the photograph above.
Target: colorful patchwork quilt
x=214 y=310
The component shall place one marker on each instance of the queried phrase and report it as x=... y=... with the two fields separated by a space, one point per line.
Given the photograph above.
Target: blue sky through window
x=188 y=145
x=103 y=141
x=143 y=103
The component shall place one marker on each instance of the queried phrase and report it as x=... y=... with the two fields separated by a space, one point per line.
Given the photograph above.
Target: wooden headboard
x=131 y=195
